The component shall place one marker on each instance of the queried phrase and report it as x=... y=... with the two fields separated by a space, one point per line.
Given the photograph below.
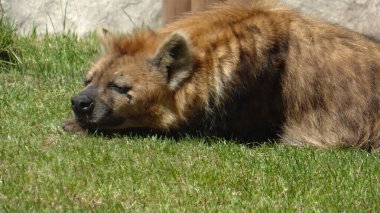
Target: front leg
x=73 y=126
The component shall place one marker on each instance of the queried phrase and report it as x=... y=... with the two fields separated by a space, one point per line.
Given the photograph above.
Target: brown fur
x=250 y=73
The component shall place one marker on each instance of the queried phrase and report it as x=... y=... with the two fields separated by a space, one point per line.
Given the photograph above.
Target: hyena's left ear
x=107 y=40
x=174 y=60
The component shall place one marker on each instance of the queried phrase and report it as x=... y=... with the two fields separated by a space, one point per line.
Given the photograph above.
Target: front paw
x=72 y=126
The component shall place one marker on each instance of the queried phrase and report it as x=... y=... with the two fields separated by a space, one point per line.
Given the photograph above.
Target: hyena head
x=134 y=81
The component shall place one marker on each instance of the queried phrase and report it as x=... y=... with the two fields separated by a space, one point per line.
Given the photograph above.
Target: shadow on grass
x=181 y=136
x=8 y=50
x=178 y=137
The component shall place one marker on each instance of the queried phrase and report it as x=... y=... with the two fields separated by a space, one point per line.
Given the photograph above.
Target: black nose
x=82 y=104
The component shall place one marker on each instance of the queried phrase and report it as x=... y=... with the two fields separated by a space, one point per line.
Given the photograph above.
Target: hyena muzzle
x=247 y=73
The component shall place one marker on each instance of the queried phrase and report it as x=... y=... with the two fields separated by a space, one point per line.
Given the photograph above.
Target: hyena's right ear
x=107 y=40
x=174 y=60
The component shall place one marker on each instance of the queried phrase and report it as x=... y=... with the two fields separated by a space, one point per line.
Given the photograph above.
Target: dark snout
x=82 y=104
x=91 y=112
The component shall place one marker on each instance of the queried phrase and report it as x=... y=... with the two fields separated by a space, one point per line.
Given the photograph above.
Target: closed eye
x=86 y=82
x=119 y=89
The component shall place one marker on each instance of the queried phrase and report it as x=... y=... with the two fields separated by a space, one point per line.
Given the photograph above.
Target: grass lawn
x=43 y=168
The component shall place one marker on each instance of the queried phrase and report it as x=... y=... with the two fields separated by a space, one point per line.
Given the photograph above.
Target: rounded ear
x=107 y=40
x=174 y=60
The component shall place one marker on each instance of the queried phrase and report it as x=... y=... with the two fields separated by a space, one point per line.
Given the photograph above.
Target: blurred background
x=81 y=17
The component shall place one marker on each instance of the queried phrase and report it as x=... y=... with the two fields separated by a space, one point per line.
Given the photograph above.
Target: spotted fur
x=250 y=73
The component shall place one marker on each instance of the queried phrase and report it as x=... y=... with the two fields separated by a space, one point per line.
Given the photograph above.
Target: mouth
x=107 y=122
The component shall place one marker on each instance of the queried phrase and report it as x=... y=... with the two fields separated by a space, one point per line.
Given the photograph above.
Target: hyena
x=248 y=73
